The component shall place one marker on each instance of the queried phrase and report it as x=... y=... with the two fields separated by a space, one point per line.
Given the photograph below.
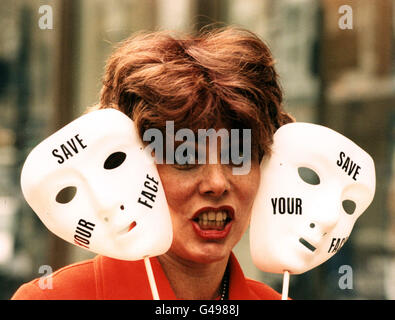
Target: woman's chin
x=210 y=253
x=202 y=253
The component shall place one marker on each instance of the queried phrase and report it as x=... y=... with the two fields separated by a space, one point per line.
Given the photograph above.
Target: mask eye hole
x=349 y=206
x=66 y=195
x=308 y=175
x=114 y=160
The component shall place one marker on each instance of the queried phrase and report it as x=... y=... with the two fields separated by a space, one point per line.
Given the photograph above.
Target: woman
x=219 y=79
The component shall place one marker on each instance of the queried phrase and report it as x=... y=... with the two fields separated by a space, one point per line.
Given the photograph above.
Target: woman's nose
x=214 y=181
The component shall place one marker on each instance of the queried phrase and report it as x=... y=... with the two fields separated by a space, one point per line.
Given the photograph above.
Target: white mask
x=92 y=181
x=302 y=217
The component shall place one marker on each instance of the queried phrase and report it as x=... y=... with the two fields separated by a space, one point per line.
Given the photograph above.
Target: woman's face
x=210 y=207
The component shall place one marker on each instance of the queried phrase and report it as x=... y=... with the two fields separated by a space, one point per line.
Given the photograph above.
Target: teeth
x=212 y=216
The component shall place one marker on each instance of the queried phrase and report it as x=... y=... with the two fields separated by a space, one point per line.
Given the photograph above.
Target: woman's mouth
x=213 y=223
x=212 y=220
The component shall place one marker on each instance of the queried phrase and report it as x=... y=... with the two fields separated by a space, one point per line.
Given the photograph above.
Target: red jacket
x=103 y=278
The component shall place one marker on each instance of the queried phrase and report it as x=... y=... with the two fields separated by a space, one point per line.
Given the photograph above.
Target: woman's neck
x=193 y=281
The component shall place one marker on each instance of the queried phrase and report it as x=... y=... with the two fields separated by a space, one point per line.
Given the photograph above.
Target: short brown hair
x=225 y=75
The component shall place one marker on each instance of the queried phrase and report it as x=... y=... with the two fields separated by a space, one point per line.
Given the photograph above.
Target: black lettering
x=336 y=245
x=153 y=188
x=149 y=195
x=356 y=172
x=351 y=169
x=340 y=161
x=83 y=232
x=66 y=151
x=298 y=206
x=80 y=142
x=332 y=244
x=81 y=239
x=274 y=203
x=81 y=236
x=68 y=148
x=72 y=145
x=349 y=166
x=144 y=203
x=346 y=163
x=281 y=205
x=152 y=179
x=55 y=154
x=290 y=205
x=88 y=225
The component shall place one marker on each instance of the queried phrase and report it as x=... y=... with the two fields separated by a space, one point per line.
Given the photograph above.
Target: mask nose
x=106 y=201
x=325 y=216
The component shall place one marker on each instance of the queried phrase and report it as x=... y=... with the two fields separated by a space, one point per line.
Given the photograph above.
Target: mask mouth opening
x=132 y=225
x=127 y=229
x=307 y=244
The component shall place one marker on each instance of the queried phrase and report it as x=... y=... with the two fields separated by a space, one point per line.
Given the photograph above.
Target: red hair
x=223 y=76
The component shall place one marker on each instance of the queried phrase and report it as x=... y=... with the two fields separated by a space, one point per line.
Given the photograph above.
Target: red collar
x=117 y=279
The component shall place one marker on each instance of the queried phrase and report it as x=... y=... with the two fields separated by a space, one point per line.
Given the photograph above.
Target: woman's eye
x=184 y=161
x=185 y=158
x=190 y=158
x=184 y=166
x=238 y=160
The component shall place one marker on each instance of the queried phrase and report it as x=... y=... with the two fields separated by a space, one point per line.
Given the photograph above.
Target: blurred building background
x=334 y=76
